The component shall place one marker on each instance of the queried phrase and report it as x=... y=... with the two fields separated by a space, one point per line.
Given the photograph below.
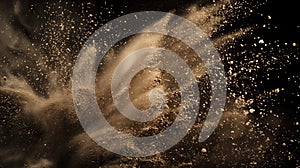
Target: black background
x=285 y=17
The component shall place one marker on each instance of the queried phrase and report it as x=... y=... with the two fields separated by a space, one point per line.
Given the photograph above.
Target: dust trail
x=39 y=127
